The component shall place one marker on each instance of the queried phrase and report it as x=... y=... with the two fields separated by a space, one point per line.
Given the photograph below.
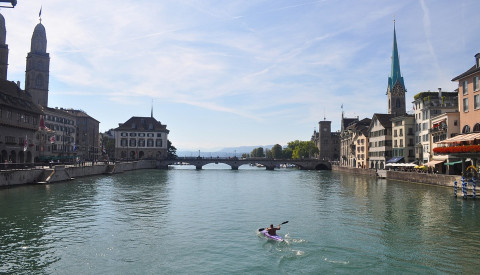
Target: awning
x=432 y=163
x=453 y=162
x=395 y=160
x=460 y=138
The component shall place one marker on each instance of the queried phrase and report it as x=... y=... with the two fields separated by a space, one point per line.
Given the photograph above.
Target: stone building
x=353 y=149
x=141 y=138
x=327 y=142
x=469 y=98
x=442 y=127
x=38 y=67
x=59 y=140
x=19 y=115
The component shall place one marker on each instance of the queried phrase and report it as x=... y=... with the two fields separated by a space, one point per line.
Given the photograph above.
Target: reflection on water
x=183 y=220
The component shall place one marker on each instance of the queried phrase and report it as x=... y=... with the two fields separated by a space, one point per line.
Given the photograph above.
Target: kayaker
x=273 y=230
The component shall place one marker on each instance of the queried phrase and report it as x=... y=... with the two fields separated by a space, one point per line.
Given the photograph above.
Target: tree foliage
x=257 y=153
x=171 y=150
x=302 y=149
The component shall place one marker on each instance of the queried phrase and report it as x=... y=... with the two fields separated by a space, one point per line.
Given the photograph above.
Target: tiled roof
x=146 y=124
x=385 y=119
x=472 y=70
x=11 y=95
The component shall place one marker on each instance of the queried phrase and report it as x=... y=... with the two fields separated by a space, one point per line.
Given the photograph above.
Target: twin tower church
x=38 y=63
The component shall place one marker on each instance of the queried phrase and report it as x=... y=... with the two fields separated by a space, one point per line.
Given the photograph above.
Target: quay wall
x=434 y=179
x=63 y=173
x=356 y=171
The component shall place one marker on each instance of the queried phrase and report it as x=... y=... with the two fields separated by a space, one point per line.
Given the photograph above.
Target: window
x=133 y=134
x=159 y=134
x=141 y=142
x=401 y=132
x=159 y=142
x=466 y=129
x=476 y=127
x=401 y=143
x=465 y=87
x=133 y=142
x=465 y=105
x=150 y=142
x=476 y=86
x=476 y=102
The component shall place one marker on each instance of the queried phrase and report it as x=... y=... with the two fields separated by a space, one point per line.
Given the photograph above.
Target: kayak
x=272 y=237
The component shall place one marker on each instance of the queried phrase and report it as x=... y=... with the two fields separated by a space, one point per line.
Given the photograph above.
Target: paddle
x=261 y=229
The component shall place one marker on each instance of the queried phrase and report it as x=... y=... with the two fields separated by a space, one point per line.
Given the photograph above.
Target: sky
x=241 y=73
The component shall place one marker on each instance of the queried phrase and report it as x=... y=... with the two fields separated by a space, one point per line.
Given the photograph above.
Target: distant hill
x=225 y=152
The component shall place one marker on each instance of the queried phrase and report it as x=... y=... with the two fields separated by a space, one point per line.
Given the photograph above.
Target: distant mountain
x=225 y=152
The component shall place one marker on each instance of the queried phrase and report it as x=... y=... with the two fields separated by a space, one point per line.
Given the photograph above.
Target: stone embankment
x=435 y=179
x=63 y=173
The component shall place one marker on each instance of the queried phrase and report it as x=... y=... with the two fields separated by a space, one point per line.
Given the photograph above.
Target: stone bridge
x=270 y=164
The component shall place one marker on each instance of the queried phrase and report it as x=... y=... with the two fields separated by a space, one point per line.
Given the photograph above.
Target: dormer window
x=150 y=126
x=134 y=126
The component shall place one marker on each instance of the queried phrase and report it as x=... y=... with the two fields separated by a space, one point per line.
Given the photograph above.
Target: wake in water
x=284 y=247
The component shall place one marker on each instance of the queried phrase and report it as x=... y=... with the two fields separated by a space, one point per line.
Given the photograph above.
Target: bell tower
x=396 y=87
x=38 y=67
x=3 y=49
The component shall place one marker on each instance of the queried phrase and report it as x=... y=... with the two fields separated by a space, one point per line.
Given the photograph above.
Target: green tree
x=269 y=154
x=171 y=150
x=303 y=149
x=277 y=151
x=257 y=153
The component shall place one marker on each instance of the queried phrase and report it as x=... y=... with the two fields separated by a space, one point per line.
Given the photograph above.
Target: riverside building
x=327 y=142
x=141 y=138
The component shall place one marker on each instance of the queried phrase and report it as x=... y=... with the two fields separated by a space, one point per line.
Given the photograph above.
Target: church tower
x=396 y=87
x=38 y=67
x=3 y=49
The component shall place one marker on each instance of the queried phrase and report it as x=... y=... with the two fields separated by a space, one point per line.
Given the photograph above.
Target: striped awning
x=460 y=138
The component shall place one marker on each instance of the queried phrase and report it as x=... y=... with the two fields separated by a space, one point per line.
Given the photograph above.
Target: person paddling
x=273 y=230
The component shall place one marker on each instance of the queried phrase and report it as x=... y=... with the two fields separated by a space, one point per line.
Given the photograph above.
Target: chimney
x=440 y=93
x=18 y=83
x=477 y=60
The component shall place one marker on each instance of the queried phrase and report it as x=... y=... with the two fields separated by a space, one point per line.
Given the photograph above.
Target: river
x=183 y=221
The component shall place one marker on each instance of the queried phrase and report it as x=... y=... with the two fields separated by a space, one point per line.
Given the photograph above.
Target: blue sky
x=234 y=73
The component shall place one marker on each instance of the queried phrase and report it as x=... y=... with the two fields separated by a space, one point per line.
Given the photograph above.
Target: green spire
x=395 y=74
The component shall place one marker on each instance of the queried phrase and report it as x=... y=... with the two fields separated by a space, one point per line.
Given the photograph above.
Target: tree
x=269 y=154
x=171 y=150
x=245 y=155
x=277 y=151
x=257 y=153
x=302 y=149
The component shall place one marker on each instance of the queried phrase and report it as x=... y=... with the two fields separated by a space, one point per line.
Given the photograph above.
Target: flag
x=75 y=147
x=40 y=13
x=25 y=144
x=42 y=122
x=52 y=139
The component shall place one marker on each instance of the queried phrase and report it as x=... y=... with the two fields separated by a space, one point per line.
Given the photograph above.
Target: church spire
x=395 y=74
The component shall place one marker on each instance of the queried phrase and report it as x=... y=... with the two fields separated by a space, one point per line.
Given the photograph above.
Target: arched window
x=476 y=128
x=466 y=129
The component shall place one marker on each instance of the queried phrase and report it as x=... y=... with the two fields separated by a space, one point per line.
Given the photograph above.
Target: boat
x=272 y=237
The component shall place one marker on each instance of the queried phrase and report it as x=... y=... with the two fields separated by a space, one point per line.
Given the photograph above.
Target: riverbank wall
x=60 y=173
x=434 y=179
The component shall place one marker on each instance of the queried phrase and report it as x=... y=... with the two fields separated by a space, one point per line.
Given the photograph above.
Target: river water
x=184 y=221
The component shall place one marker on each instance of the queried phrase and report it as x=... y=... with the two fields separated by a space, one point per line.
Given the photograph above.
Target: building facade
x=403 y=137
x=87 y=136
x=380 y=140
x=141 y=138
x=469 y=98
x=327 y=142
x=428 y=105
x=19 y=115
x=442 y=127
